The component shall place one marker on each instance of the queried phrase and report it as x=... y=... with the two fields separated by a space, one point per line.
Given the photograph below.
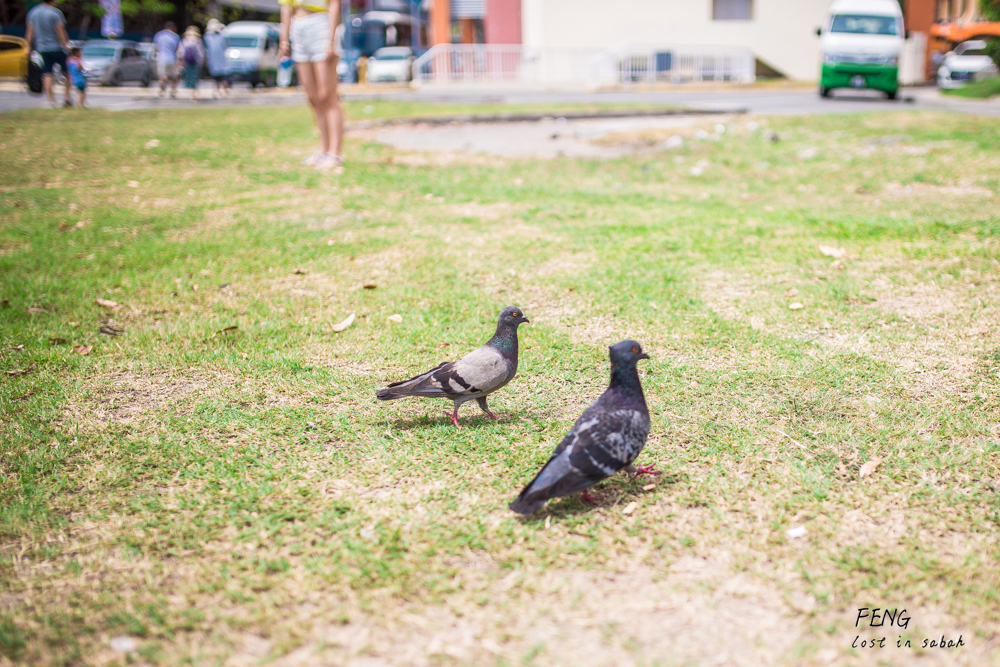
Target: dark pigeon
x=474 y=376
x=606 y=438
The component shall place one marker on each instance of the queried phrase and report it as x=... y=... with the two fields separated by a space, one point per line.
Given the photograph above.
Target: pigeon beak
x=525 y=320
x=644 y=356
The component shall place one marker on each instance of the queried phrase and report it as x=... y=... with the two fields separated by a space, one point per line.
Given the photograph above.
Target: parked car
x=252 y=51
x=148 y=50
x=391 y=63
x=13 y=57
x=861 y=41
x=966 y=63
x=113 y=62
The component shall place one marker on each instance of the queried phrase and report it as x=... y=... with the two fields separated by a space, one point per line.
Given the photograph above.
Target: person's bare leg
x=307 y=76
x=47 y=85
x=326 y=75
x=67 y=89
x=163 y=85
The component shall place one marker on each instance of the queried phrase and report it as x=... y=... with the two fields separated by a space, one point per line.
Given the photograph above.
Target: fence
x=515 y=63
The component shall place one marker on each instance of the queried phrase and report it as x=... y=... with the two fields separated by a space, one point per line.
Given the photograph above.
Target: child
x=76 y=74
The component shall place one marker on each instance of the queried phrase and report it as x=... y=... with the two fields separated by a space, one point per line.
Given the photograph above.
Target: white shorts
x=310 y=37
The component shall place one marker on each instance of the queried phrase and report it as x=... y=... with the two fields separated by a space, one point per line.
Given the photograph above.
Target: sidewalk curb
x=534 y=117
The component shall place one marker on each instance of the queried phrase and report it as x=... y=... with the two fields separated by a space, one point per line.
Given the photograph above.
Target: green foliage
x=982 y=89
x=990 y=9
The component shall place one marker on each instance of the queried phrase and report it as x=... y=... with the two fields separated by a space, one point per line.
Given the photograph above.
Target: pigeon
x=474 y=376
x=606 y=438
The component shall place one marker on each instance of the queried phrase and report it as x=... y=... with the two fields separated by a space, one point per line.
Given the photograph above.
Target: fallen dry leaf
x=830 y=251
x=649 y=487
x=443 y=345
x=370 y=285
x=795 y=306
x=791 y=292
x=837 y=264
x=5 y=303
x=300 y=272
x=83 y=349
x=231 y=327
x=35 y=309
x=397 y=318
x=340 y=326
x=21 y=371
x=73 y=324
x=57 y=340
x=869 y=467
x=108 y=330
x=548 y=521
x=107 y=303
x=152 y=143
x=630 y=508
x=133 y=184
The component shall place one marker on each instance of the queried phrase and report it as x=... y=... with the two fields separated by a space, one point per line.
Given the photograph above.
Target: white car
x=967 y=63
x=391 y=63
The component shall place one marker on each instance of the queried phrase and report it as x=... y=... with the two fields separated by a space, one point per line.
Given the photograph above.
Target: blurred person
x=166 y=42
x=311 y=32
x=215 y=53
x=47 y=27
x=191 y=52
x=74 y=66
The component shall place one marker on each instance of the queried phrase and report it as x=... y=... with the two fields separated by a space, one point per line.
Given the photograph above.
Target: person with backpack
x=47 y=29
x=191 y=54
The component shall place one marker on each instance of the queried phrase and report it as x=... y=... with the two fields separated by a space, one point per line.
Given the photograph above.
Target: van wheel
x=145 y=79
x=269 y=80
x=892 y=95
x=824 y=92
x=116 y=78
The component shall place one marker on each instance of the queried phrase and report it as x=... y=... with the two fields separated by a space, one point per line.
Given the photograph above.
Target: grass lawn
x=218 y=482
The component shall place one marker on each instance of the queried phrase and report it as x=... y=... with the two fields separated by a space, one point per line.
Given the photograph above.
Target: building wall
x=502 y=24
x=782 y=33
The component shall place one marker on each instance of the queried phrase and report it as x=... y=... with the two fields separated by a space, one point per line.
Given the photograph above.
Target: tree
x=990 y=9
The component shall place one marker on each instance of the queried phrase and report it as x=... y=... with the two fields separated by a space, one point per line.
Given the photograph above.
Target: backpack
x=190 y=54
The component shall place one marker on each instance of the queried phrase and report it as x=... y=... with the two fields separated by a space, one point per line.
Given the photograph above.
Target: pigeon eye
x=516 y=314
x=635 y=350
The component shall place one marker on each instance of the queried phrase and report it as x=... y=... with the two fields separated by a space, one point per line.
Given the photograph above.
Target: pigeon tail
x=415 y=386
x=527 y=507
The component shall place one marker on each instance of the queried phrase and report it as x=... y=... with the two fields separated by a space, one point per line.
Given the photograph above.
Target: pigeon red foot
x=646 y=470
x=454 y=417
x=587 y=498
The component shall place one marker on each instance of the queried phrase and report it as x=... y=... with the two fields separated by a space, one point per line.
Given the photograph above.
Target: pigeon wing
x=599 y=445
x=479 y=372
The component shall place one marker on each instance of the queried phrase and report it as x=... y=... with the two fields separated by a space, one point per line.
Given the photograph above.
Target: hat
x=214 y=25
x=192 y=31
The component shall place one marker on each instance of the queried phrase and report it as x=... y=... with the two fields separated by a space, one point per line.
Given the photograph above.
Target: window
x=732 y=10
x=864 y=25
x=9 y=46
x=241 y=42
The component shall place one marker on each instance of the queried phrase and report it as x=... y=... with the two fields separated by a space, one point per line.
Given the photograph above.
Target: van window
x=242 y=42
x=864 y=25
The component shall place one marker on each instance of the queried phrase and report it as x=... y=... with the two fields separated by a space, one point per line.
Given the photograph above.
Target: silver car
x=113 y=62
x=967 y=63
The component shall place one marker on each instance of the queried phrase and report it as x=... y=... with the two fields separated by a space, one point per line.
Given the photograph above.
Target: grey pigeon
x=606 y=438
x=474 y=376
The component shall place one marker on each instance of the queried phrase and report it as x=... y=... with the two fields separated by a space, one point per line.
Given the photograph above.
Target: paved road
x=758 y=100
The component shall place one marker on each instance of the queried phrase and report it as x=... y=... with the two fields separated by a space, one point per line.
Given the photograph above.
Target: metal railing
x=516 y=63
x=673 y=64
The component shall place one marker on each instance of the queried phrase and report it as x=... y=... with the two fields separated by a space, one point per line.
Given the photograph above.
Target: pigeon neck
x=625 y=379
x=505 y=340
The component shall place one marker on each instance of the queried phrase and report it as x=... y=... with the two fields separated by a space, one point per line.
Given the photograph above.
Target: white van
x=252 y=51
x=861 y=41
